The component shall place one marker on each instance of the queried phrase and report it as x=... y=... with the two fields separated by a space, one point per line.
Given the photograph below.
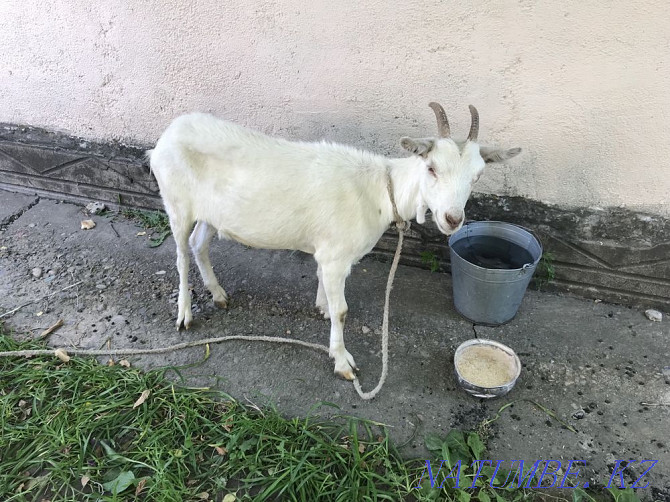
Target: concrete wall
x=583 y=86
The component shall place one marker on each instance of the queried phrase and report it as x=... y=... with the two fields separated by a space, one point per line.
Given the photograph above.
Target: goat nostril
x=453 y=222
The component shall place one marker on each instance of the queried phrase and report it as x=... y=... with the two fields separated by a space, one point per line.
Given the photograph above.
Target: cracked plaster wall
x=582 y=87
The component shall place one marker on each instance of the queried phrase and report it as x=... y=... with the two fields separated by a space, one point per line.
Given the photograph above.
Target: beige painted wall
x=583 y=87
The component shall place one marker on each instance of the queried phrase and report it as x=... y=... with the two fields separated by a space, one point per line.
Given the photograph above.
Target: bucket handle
x=532 y=232
x=525 y=268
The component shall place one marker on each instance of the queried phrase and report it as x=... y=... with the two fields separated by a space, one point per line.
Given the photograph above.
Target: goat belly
x=266 y=240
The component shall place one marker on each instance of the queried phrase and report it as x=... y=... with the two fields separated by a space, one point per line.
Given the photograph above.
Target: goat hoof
x=220 y=296
x=185 y=321
x=346 y=374
x=346 y=368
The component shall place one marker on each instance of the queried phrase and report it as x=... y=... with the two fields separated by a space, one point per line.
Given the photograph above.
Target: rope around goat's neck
x=251 y=338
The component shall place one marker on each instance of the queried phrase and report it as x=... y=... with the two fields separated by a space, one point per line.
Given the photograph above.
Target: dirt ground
x=598 y=366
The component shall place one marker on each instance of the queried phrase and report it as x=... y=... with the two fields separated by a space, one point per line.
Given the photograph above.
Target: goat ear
x=492 y=154
x=418 y=146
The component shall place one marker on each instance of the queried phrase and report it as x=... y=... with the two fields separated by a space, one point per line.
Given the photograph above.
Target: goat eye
x=431 y=170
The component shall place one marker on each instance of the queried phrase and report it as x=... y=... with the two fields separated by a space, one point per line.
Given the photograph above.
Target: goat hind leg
x=180 y=228
x=321 y=300
x=200 y=239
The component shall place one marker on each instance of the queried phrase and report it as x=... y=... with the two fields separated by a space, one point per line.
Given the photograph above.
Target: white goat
x=329 y=200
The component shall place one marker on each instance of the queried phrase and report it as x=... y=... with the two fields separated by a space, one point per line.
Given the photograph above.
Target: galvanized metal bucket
x=491 y=296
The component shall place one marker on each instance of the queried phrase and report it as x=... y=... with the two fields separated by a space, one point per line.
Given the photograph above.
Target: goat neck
x=404 y=174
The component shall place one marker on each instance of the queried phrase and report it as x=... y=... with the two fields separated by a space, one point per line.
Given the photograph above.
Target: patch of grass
x=70 y=431
x=545 y=272
x=81 y=431
x=107 y=213
x=429 y=258
x=156 y=221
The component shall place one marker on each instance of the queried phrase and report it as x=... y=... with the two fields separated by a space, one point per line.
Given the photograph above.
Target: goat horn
x=442 y=122
x=474 y=128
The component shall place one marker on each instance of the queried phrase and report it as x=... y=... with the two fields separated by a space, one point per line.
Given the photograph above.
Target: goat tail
x=147 y=159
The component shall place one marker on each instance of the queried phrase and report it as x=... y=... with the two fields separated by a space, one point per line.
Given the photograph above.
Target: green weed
x=545 y=272
x=429 y=258
x=156 y=221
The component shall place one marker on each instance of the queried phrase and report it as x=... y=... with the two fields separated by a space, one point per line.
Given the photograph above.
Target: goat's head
x=450 y=169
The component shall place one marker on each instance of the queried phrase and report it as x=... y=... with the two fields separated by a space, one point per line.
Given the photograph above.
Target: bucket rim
x=532 y=233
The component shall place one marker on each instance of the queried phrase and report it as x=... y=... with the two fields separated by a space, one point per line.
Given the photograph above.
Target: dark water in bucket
x=492 y=252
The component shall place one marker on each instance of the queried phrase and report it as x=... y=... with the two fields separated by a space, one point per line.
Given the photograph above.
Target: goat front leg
x=333 y=277
x=200 y=239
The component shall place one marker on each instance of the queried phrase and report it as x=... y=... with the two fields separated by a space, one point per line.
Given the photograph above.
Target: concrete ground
x=598 y=366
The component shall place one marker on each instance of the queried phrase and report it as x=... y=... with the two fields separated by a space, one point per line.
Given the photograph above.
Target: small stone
x=87 y=224
x=365 y=330
x=100 y=286
x=578 y=415
x=32 y=225
x=653 y=315
x=160 y=272
x=37 y=272
x=95 y=207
